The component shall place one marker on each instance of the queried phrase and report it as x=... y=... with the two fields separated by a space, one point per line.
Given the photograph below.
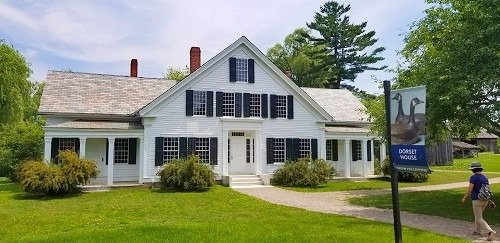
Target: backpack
x=485 y=192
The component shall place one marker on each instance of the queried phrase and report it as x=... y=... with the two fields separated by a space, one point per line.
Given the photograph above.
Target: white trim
x=48 y=149
x=111 y=158
x=347 y=157
x=83 y=143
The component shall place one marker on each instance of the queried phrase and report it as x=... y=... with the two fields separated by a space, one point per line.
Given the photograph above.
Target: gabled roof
x=259 y=57
x=99 y=94
x=483 y=134
x=341 y=104
x=126 y=125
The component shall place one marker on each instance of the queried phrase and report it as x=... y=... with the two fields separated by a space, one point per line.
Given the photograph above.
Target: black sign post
x=398 y=235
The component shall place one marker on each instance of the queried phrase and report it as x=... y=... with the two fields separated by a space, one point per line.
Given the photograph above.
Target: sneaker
x=491 y=235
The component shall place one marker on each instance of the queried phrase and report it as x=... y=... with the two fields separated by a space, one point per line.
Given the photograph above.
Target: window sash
x=241 y=70
x=279 y=151
x=330 y=151
x=228 y=104
x=281 y=106
x=67 y=144
x=199 y=103
x=202 y=148
x=121 y=153
x=170 y=149
x=304 y=148
x=255 y=105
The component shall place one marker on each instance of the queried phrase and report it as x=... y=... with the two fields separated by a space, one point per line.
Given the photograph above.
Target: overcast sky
x=102 y=36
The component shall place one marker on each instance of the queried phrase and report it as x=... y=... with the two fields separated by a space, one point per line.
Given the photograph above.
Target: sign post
x=398 y=234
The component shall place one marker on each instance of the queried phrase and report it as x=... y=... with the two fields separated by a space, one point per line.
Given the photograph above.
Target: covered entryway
x=241 y=153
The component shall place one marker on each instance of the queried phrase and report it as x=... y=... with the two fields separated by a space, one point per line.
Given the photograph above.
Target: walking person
x=479 y=200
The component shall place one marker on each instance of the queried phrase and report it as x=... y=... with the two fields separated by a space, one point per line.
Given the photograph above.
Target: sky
x=98 y=36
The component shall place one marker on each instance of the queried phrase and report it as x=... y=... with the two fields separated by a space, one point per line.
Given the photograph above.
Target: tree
x=177 y=73
x=15 y=95
x=343 y=43
x=454 y=51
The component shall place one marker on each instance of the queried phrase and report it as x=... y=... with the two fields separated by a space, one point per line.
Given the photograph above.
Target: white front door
x=96 y=151
x=237 y=160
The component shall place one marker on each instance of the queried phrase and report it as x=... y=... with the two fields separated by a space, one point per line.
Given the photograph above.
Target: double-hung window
x=241 y=70
x=121 y=151
x=202 y=148
x=199 y=103
x=279 y=152
x=228 y=104
x=304 y=148
x=332 y=150
x=170 y=149
x=281 y=106
x=255 y=106
x=67 y=144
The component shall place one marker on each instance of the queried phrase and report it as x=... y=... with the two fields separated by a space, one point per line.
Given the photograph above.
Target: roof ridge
x=113 y=75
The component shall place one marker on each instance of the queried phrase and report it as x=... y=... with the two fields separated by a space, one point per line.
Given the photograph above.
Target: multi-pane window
x=67 y=144
x=255 y=105
x=248 y=150
x=199 y=103
x=279 y=150
x=202 y=148
x=241 y=70
x=331 y=150
x=281 y=106
x=121 y=150
x=304 y=148
x=170 y=149
x=228 y=104
x=356 y=146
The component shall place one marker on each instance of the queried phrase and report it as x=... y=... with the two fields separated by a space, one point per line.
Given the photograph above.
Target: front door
x=96 y=151
x=238 y=154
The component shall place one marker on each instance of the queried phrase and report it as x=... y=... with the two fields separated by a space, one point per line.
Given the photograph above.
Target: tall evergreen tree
x=343 y=43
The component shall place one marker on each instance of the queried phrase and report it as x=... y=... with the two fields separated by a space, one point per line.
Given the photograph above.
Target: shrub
x=304 y=172
x=377 y=170
x=404 y=176
x=40 y=178
x=187 y=175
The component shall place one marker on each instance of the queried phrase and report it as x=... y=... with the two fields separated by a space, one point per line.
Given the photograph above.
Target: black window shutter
x=263 y=105
x=213 y=150
x=232 y=69
x=189 y=103
x=237 y=104
x=107 y=150
x=314 y=148
x=219 y=97
x=270 y=150
x=274 y=114
x=335 y=150
x=77 y=146
x=246 y=105
x=210 y=103
x=290 y=154
x=191 y=146
x=251 y=71
x=289 y=104
x=354 y=148
x=296 y=148
x=369 y=149
x=158 y=151
x=183 y=147
x=54 y=150
x=132 y=151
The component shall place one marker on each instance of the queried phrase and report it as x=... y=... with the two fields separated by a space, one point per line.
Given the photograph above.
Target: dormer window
x=241 y=70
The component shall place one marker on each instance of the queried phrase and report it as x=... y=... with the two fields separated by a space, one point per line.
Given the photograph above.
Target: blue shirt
x=478 y=180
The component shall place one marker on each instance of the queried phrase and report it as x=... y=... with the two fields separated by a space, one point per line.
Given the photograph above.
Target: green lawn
x=437 y=177
x=442 y=203
x=489 y=161
x=139 y=214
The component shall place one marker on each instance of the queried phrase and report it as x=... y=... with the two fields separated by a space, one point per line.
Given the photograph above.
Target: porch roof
x=123 y=125
x=339 y=129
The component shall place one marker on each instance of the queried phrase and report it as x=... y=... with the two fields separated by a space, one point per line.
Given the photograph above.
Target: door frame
x=249 y=167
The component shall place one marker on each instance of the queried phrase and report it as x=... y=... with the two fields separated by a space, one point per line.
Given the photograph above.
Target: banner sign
x=408 y=130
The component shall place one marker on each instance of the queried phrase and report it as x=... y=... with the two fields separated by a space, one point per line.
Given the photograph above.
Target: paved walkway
x=337 y=203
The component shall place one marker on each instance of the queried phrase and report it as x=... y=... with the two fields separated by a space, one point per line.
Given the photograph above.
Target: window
x=332 y=150
x=279 y=150
x=304 y=148
x=170 y=149
x=199 y=103
x=255 y=105
x=248 y=150
x=228 y=104
x=281 y=106
x=121 y=151
x=356 y=150
x=67 y=144
x=202 y=149
x=241 y=70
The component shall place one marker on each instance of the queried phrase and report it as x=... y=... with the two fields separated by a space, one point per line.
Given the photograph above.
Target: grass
x=489 y=161
x=140 y=214
x=435 y=178
x=441 y=203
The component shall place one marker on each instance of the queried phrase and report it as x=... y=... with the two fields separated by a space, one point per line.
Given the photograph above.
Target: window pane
x=199 y=103
x=279 y=150
x=255 y=105
x=67 y=144
x=121 y=151
x=228 y=104
x=281 y=106
x=241 y=70
x=304 y=148
x=170 y=149
x=203 y=149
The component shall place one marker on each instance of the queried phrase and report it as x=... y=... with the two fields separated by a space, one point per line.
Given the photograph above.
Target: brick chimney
x=195 y=59
x=133 y=68
x=288 y=73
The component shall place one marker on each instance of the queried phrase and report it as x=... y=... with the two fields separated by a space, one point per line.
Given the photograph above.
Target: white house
x=238 y=112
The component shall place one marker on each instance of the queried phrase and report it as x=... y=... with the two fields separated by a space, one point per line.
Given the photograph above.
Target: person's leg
x=478 y=207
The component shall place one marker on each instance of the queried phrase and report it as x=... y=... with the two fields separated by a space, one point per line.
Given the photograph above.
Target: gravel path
x=337 y=203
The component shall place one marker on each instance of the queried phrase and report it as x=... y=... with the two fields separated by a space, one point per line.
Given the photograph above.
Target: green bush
x=377 y=167
x=40 y=178
x=19 y=142
x=304 y=172
x=187 y=175
x=404 y=176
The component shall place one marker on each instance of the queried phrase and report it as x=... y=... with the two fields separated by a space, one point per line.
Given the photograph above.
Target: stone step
x=246 y=179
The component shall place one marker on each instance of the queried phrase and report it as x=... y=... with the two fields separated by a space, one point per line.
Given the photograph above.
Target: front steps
x=246 y=181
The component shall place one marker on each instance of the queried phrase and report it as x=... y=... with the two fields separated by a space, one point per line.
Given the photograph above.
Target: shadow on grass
x=161 y=190
x=34 y=197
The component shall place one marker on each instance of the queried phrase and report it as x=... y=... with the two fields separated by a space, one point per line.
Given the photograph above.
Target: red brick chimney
x=195 y=59
x=133 y=68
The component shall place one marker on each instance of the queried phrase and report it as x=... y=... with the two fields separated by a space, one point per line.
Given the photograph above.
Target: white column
x=111 y=159
x=322 y=144
x=225 y=165
x=364 y=157
x=146 y=148
x=382 y=151
x=83 y=143
x=48 y=149
x=347 y=157
x=141 y=160
x=372 y=155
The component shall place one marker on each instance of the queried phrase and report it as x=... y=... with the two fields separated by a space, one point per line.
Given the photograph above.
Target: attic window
x=241 y=70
